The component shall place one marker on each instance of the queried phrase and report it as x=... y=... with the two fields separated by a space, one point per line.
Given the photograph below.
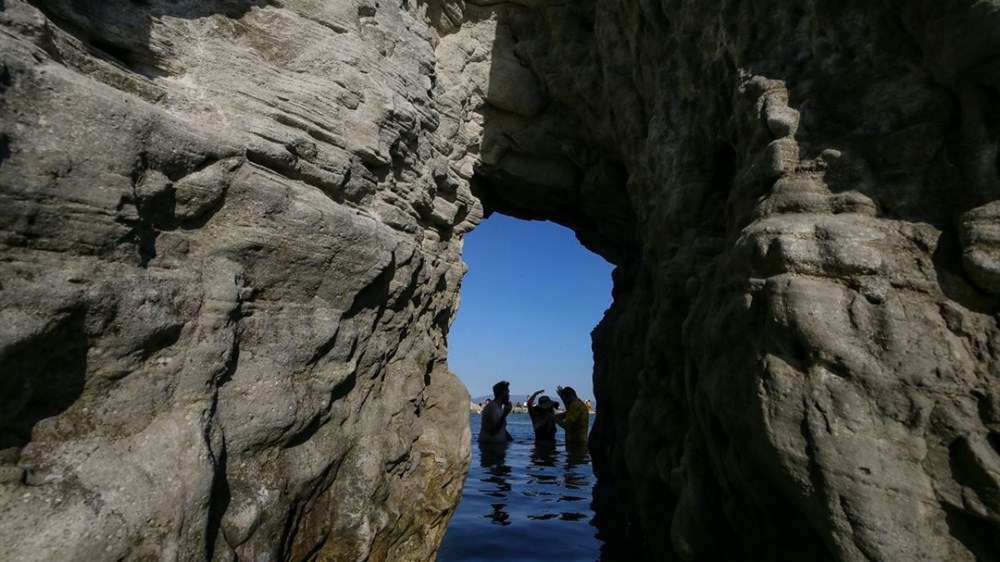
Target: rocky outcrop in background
x=231 y=239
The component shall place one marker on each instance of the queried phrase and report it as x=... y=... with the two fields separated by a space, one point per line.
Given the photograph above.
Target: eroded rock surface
x=801 y=362
x=231 y=237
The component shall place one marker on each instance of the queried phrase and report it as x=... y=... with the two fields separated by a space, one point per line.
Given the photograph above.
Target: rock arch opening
x=529 y=300
x=247 y=216
x=784 y=289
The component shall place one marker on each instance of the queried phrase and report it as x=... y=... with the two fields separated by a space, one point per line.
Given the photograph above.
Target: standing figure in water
x=543 y=416
x=493 y=425
x=576 y=419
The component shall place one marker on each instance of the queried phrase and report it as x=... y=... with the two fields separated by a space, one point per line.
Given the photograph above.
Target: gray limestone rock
x=801 y=358
x=229 y=260
x=231 y=236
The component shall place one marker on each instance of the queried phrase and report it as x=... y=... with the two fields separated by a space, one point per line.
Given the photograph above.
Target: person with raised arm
x=543 y=416
x=576 y=419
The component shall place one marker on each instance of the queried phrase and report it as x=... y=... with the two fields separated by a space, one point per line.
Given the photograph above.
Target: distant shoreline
x=475 y=409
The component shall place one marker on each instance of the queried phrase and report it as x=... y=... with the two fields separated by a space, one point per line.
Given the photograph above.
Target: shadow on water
x=577 y=453
x=492 y=458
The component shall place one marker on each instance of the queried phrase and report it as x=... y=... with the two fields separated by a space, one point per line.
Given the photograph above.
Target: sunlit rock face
x=801 y=362
x=231 y=236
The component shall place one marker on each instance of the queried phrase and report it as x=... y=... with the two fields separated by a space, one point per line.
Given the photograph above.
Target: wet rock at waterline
x=231 y=239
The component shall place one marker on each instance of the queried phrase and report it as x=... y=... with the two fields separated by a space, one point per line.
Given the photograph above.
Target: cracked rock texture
x=802 y=361
x=231 y=238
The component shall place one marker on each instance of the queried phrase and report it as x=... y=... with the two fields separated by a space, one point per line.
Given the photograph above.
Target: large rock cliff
x=231 y=236
x=802 y=361
x=231 y=239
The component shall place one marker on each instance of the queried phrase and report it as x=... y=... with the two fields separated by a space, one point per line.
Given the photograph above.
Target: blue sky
x=528 y=303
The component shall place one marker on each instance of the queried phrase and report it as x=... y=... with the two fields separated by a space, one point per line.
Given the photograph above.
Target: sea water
x=524 y=502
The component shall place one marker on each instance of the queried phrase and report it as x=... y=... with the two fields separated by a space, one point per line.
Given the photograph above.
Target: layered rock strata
x=231 y=238
x=801 y=361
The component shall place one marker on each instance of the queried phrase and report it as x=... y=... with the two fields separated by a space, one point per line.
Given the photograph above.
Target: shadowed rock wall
x=801 y=361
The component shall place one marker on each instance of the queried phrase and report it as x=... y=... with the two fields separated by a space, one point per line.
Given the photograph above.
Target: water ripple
x=524 y=501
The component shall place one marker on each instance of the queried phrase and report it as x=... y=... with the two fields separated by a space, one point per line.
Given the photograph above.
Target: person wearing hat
x=493 y=424
x=543 y=416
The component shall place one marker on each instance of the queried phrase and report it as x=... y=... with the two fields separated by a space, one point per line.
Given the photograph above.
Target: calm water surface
x=524 y=502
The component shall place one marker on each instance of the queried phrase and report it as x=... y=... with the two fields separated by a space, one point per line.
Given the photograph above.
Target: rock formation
x=802 y=361
x=231 y=237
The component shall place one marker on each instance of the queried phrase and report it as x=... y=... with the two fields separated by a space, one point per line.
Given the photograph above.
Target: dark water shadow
x=577 y=453
x=544 y=453
x=493 y=458
x=541 y=470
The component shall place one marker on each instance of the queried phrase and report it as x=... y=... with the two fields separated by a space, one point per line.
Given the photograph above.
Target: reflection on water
x=492 y=457
x=524 y=501
x=543 y=453
x=576 y=453
x=544 y=457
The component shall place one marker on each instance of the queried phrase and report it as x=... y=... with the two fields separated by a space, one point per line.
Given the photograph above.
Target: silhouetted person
x=576 y=419
x=543 y=416
x=493 y=424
